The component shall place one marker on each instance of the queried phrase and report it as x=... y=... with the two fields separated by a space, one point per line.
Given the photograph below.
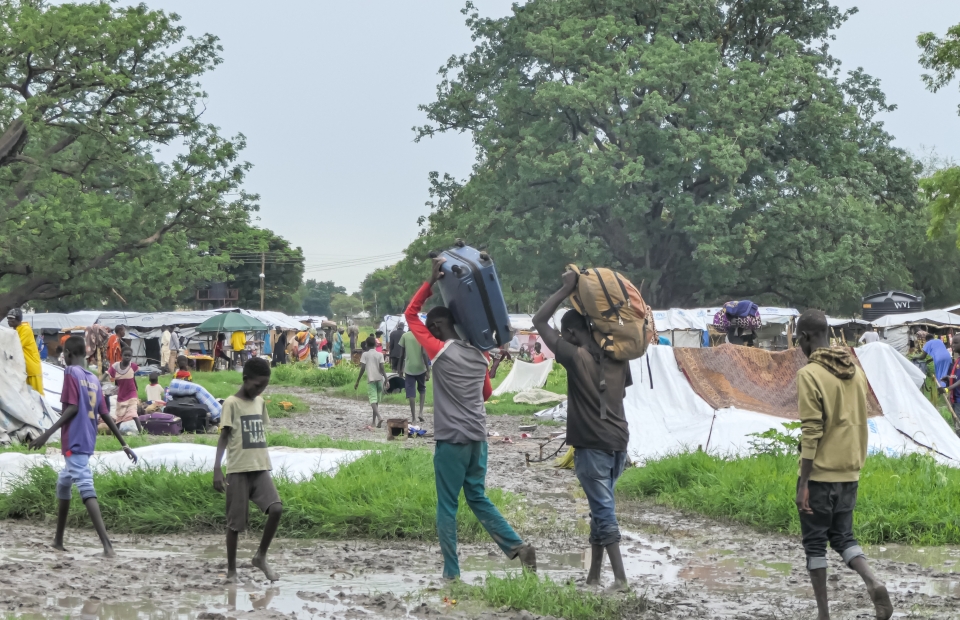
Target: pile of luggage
x=183 y=414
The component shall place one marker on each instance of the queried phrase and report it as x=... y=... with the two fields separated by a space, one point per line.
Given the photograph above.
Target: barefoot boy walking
x=83 y=404
x=371 y=363
x=248 y=479
x=833 y=447
x=460 y=387
x=599 y=436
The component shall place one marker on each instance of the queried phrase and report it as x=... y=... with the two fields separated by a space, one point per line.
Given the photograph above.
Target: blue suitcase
x=471 y=290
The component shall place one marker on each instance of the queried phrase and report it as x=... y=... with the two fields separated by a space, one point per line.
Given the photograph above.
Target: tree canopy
x=317 y=296
x=282 y=269
x=942 y=187
x=707 y=148
x=88 y=93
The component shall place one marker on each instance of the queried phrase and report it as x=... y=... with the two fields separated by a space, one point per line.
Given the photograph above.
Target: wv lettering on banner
x=251 y=429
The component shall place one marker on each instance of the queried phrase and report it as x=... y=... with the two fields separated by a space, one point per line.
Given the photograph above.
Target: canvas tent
x=683 y=328
x=24 y=414
x=895 y=328
x=670 y=417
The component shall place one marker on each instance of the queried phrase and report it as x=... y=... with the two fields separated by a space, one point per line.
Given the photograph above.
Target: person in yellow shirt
x=31 y=354
x=832 y=392
x=239 y=343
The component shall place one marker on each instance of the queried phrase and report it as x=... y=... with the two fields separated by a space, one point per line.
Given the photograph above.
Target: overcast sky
x=327 y=92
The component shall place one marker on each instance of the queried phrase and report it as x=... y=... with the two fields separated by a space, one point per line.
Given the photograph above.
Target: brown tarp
x=750 y=378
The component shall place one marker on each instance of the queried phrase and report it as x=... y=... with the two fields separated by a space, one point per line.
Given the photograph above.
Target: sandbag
x=621 y=320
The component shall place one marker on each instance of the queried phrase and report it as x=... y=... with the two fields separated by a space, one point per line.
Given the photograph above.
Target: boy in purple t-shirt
x=83 y=402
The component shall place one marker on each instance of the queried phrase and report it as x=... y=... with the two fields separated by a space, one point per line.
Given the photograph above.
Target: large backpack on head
x=621 y=321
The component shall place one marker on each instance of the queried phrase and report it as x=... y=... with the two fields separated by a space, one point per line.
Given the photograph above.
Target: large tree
x=317 y=296
x=707 y=148
x=941 y=55
x=87 y=95
x=282 y=270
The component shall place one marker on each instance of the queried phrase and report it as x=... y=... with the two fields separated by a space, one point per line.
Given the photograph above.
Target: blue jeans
x=464 y=466
x=598 y=471
x=76 y=471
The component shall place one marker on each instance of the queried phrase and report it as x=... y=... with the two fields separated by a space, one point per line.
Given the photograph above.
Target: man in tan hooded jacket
x=832 y=392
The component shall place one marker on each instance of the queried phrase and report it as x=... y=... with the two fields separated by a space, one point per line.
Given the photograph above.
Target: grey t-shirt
x=459 y=415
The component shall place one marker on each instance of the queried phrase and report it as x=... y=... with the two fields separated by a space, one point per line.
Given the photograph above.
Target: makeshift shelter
x=24 y=413
x=896 y=329
x=669 y=416
x=846 y=331
x=683 y=328
x=524 y=376
x=389 y=322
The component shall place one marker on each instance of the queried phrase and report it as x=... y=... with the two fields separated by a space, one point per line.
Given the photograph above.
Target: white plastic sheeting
x=292 y=463
x=524 y=376
x=671 y=417
x=937 y=317
x=52 y=385
x=557 y=412
x=24 y=414
x=897 y=337
x=389 y=322
x=834 y=321
x=50 y=321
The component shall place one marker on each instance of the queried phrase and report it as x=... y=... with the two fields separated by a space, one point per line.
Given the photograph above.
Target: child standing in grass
x=371 y=362
x=243 y=437
x=124 y=376
x=596 y=422
x=460 y=388
x=833 y=447
x=83 y=403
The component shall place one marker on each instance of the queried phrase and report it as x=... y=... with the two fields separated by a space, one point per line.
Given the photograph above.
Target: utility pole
x=263 y=265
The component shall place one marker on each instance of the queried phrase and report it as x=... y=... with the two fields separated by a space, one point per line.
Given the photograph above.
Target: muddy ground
x=686 y=566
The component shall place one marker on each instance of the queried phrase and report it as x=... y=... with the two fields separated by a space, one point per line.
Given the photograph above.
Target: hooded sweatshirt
x=832 y=392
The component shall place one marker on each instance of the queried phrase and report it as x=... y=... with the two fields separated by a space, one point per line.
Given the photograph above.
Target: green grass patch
x=307 y=375
x=545 y=597
x=226 y=382
x=497 y=405
x=385 y=495
x=910 y=499
x=284 y=405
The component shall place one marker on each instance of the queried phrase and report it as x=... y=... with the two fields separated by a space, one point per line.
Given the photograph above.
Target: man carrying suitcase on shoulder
x=460 y=388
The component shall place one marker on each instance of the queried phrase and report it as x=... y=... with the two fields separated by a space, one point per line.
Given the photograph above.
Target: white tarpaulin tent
x=389 y=322
x=270 y=318
x=895 y=328
x=524 y=376
x=291 y=463
x=683 y=328
x=672 y=418
x=24 y=414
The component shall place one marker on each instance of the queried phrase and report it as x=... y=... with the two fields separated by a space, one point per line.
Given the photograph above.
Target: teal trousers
x=464 y=466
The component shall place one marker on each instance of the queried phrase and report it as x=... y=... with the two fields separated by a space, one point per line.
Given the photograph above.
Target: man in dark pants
x=598 y=434
x=393 y=346
x=832 y=393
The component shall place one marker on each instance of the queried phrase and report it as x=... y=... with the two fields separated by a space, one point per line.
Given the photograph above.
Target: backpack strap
x=603 y=386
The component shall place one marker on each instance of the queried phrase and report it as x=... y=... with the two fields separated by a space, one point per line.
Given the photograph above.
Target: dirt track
x=688 y=567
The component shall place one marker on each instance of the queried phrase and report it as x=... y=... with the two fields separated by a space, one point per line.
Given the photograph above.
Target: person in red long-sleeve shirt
x=460 y=388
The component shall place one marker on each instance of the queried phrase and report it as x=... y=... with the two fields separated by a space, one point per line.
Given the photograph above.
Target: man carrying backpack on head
x=596 y=423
